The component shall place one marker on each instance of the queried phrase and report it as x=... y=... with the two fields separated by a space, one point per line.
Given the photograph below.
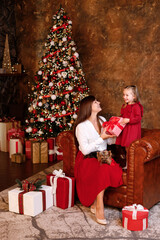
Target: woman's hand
x=104 y=135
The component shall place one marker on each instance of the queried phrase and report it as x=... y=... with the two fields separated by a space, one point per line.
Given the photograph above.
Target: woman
x=92 y=178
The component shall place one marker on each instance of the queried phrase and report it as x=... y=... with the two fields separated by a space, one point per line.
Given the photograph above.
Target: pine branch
x=19 y=183
x=39 y=183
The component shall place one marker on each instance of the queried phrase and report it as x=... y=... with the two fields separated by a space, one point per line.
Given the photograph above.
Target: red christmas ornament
x=63 y=102
x=34 y=130
x=50 y=130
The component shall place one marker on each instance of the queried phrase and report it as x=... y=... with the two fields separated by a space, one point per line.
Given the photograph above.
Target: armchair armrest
x=143 y=161
x=65 y=140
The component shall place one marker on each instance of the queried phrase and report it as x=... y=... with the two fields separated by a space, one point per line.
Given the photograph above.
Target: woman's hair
x=134 y=90
x=85 y=111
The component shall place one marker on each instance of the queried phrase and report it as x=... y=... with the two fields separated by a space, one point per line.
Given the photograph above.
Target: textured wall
x=7 y=26
x=118 y=42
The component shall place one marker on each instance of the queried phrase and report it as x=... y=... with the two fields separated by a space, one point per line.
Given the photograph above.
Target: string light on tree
x=59 y=83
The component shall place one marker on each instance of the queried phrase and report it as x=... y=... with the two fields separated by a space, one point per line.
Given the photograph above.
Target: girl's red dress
x=93 y=177
x=132 y=130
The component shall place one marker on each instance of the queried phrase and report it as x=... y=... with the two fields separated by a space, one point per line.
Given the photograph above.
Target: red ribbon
x=16 y=147
x=63 y=25
x=112 y=123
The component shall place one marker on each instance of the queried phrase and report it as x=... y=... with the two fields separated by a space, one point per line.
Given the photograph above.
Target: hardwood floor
x=10 y=171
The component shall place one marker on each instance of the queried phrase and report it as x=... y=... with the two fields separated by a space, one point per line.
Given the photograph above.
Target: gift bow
x=57 y=175
x=55 y=151
x=112 y=122
x=28 y=186
x=135 y=208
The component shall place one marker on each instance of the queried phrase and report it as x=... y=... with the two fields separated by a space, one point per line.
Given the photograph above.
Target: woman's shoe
x=101 y=221
x=93 y=210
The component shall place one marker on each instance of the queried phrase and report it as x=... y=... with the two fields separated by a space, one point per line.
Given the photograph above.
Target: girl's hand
x=125 y=121
x=104 y=135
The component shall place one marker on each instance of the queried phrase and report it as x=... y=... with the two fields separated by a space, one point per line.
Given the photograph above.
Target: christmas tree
x=6 y=57
x=59 y=83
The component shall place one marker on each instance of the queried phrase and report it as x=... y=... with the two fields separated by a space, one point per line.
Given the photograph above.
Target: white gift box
x=15 y=146
x=32 y=201
x=4 y=127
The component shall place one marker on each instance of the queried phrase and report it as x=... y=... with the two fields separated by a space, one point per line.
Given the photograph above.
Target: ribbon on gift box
x=112 y=122
x=135 y=208
x=16 y=136
x=54 y=185
x=27 y=187
x=55 y=151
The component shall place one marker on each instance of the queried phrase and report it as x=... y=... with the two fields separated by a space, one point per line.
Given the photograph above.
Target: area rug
x=72 y=223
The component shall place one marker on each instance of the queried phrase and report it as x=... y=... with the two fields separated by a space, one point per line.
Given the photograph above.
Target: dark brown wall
x=118 y=42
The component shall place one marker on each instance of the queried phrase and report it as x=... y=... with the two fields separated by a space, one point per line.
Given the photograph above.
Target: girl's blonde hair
x=134 y=90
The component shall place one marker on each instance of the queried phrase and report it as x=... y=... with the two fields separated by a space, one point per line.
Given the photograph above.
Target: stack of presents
x=12 y=140
x=32 y=198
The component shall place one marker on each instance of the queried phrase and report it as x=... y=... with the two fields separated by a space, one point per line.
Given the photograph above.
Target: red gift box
x=28 y=149
x=135 y=217
x=51 y=149
x=63 y=189
x=114 y=126
x=59 y=153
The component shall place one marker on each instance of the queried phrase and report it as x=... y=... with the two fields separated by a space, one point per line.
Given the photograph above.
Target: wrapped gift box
x=15 y=132
x=39 y=151
x=135 y=217
x=63 y=189
x=114 y=126
x=4 y=127
x=59 y=154
x=28 y=149
x=30 y=203
x=15 y=146
x=18 y=158
x=51 y=149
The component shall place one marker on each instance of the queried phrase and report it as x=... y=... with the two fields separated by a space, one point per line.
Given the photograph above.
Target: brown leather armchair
x=141 y=180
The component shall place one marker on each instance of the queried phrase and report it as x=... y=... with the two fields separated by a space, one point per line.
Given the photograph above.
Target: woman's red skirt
x=93 y=177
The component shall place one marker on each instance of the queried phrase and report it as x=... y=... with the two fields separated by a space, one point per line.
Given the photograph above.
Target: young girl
x=131 y=112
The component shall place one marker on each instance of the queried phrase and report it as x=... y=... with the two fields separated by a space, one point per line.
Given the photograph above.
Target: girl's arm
x=136 y=115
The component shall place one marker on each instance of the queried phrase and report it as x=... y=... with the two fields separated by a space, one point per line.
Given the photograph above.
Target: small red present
x=59 y=153
x=28 y=149
x=51 y=149
x=135 y=217
x=114 y=126
x=63 y=189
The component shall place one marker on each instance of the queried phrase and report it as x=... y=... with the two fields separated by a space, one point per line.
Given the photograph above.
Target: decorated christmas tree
x=59 y=83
